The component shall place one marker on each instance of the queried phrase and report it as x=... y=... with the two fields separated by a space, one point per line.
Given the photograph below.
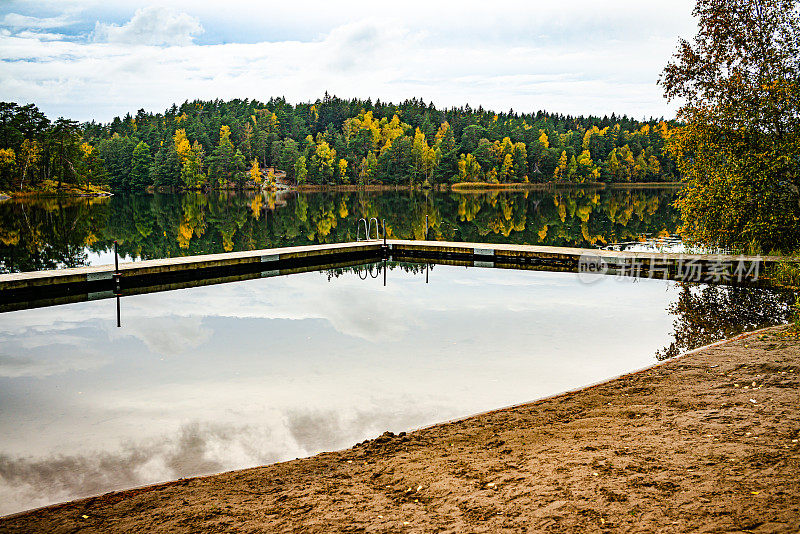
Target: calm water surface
x=222 y=377
x=51 y=233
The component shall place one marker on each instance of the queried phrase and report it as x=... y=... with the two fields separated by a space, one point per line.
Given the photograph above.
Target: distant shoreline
x=464 y=187
x=45 y=193
x=481 y=187
x=646 y=185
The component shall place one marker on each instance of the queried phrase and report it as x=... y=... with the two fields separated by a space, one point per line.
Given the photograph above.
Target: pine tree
x=166 y=169
x=222 y=167
x=140 y=167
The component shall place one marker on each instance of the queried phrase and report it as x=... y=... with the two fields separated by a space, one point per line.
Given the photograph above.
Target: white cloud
x=151 y=26
x=576 y=58
x=17 y=21
x=41 y=36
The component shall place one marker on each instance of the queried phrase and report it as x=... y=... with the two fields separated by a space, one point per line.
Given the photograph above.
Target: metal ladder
x=368 y=229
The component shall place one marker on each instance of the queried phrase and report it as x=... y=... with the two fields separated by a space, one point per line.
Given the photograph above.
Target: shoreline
x=556 y=463
x=50 y=189
x=37 y=196
x=462 y=188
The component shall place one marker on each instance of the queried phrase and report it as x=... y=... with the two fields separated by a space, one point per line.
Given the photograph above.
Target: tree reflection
x=374 y=270
x=706 y=314
x=49 y=233
x=46 y=234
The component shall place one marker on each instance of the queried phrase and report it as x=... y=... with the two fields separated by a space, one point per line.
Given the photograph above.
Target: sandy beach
x=707 y=442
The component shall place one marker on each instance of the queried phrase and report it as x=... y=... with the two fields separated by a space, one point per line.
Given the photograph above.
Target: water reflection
x=222 y=377
x=52 y=233
x=705 y=314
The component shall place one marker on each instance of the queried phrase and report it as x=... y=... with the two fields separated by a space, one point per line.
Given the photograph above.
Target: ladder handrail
x=358 y=230
x=377 y=228
x=376 y=268
x=368 y=229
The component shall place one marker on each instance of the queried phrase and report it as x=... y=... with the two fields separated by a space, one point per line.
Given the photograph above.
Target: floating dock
x=61 y=286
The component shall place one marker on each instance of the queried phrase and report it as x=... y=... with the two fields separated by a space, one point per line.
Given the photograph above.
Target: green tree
x=166 y=168
x=367 y=168
x=470 y=137
x=222 y=167
x=300 y=171
x=290 y=152
x=192 y=174
x=140 y=167
x=117 y=153
x=239 y=169
x=66 y=141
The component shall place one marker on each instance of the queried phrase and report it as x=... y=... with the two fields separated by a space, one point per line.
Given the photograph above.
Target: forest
x=237 y=144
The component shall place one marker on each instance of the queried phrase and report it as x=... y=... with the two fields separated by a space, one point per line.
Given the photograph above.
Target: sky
x=93 y=60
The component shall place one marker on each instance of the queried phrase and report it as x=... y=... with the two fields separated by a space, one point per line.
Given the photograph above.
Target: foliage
x=212 y=144
x=140 y=166
x=740 y=147
x=786 y=274
x=34 y=150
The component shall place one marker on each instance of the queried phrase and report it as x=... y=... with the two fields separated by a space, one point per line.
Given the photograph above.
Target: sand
x=707 y=442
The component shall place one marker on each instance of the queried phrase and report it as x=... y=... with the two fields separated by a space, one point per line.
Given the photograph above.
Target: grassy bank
x=49 y=188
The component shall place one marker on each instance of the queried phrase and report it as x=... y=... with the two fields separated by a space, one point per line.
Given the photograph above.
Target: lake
x=53 y=233
x=213 y=378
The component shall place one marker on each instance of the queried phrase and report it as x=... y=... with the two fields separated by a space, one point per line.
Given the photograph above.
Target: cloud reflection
x=196 y=448
x=52 y=363
x=273 y=369
x=165 y=335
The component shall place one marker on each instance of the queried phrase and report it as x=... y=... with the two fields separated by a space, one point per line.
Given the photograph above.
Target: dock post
x=116 y=274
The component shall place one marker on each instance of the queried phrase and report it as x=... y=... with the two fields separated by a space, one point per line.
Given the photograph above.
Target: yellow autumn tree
x=507 y=169
x=424 y=157
x=8 y=160
x=469 y=170
x=255 y=172
x=561 y=170
x=191 y=158
x=341 y=172
x=182 y=145
x=324 y=161
x=543 y=139
x=30 y=155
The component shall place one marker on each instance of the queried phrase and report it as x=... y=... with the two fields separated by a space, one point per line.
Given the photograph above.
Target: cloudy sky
x=92 y=59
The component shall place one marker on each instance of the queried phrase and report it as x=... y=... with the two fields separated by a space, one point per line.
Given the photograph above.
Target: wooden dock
x=43 y=288
x=61 y=286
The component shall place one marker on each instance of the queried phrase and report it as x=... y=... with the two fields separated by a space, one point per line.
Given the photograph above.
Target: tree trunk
x=24 y=171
